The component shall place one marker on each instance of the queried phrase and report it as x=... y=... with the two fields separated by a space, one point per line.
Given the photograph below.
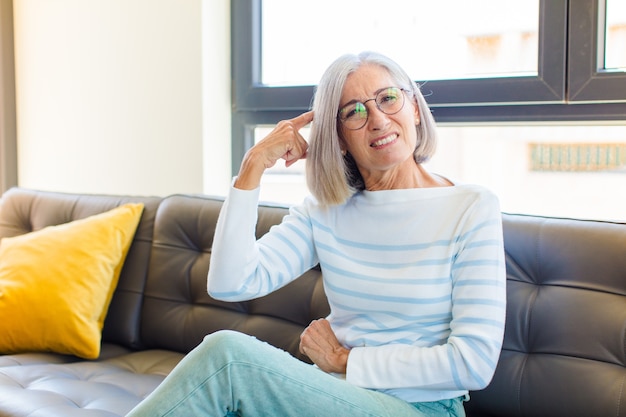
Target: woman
x=412 y=263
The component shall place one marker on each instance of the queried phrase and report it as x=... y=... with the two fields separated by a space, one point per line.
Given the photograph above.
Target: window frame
x=568 y=87
x=588 y=80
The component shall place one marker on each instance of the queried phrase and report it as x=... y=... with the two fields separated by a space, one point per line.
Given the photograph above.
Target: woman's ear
x=342 y=146
x=417 y=115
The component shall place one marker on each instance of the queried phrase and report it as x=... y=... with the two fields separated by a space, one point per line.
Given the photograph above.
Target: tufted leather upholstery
x=564 y=350
x=23 y=211
x=109 y=387
x=178 y=312
x=160 y=306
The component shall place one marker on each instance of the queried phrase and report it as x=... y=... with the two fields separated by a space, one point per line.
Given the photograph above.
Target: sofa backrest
x=564 y=350
x=178 y=312
x=23 y=211
x=161 y=299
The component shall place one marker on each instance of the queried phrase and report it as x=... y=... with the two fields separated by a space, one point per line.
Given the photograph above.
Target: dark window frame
x=588 y=81
x=569 y=85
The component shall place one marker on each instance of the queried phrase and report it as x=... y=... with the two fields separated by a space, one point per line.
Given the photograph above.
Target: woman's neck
x=410 y=176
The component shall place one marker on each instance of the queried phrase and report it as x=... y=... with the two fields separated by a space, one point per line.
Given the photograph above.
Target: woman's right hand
x=284 y=142
x=320 y=344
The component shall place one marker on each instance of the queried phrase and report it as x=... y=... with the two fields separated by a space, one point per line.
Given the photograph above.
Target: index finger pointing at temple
x=304 y=119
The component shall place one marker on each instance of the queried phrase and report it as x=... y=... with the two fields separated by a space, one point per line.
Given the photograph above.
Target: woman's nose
x=376 y=119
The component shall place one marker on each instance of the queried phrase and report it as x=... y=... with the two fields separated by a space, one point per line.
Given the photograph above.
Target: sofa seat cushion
x=110 y=387
x=107 y=351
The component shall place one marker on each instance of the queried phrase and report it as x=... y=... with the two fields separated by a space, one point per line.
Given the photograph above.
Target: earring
x=343 y=152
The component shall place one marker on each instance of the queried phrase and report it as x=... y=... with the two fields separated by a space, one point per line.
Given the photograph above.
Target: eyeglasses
x=354 y=115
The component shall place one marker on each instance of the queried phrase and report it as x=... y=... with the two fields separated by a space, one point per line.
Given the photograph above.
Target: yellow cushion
x=56 y=283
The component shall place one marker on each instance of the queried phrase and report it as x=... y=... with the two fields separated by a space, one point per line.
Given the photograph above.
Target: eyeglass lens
x=389 y=101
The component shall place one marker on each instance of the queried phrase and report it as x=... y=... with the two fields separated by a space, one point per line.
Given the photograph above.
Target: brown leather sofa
x=565 y=341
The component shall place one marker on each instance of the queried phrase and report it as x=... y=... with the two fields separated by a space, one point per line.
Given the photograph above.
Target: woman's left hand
x=319 y=343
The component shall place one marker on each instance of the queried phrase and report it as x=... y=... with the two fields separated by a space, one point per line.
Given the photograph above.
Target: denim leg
x=232 y=374
x=452 y=408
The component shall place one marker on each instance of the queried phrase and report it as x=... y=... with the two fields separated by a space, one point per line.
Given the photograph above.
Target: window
x=553 y=170
x=615 y=36
x=541 y=36
x=469 y=43
x=588 y=78
x=563 y=170
x=552 y=79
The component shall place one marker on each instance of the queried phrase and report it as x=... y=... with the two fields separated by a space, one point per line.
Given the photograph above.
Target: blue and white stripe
x=415 y=280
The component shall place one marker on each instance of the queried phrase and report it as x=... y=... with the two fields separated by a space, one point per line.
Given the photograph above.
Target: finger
x=304 y=119
x=296 y=150
x=321 y=335
x=294 y=156
x=304 y=340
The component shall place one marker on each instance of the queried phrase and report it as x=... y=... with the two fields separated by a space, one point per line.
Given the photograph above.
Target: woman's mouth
x=384 y=141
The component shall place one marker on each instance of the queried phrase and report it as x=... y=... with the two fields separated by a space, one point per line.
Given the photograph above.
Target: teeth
x=384 y=141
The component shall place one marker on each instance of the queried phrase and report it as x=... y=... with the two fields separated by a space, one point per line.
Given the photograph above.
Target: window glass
x=490 y=38
x=570 y=170
x=552 y=170
x=615 y=44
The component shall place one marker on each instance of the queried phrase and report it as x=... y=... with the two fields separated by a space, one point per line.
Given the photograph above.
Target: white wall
x=110 y=95
x=216 y=96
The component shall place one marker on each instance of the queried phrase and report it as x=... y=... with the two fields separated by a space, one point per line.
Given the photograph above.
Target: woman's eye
x=356 y=111
x=388 y=98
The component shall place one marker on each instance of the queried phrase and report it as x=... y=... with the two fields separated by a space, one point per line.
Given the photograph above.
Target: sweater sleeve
x=242 y=267
x=467 y=360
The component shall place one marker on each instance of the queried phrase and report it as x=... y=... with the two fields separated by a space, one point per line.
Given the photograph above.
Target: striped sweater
x=415 y=280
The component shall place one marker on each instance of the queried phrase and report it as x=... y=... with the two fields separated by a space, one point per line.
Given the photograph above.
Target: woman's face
x=386 y=142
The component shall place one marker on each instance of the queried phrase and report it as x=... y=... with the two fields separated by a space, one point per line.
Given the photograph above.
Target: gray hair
x=332 y=177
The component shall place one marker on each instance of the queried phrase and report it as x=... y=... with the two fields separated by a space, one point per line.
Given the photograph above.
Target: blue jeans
x=231 y=374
